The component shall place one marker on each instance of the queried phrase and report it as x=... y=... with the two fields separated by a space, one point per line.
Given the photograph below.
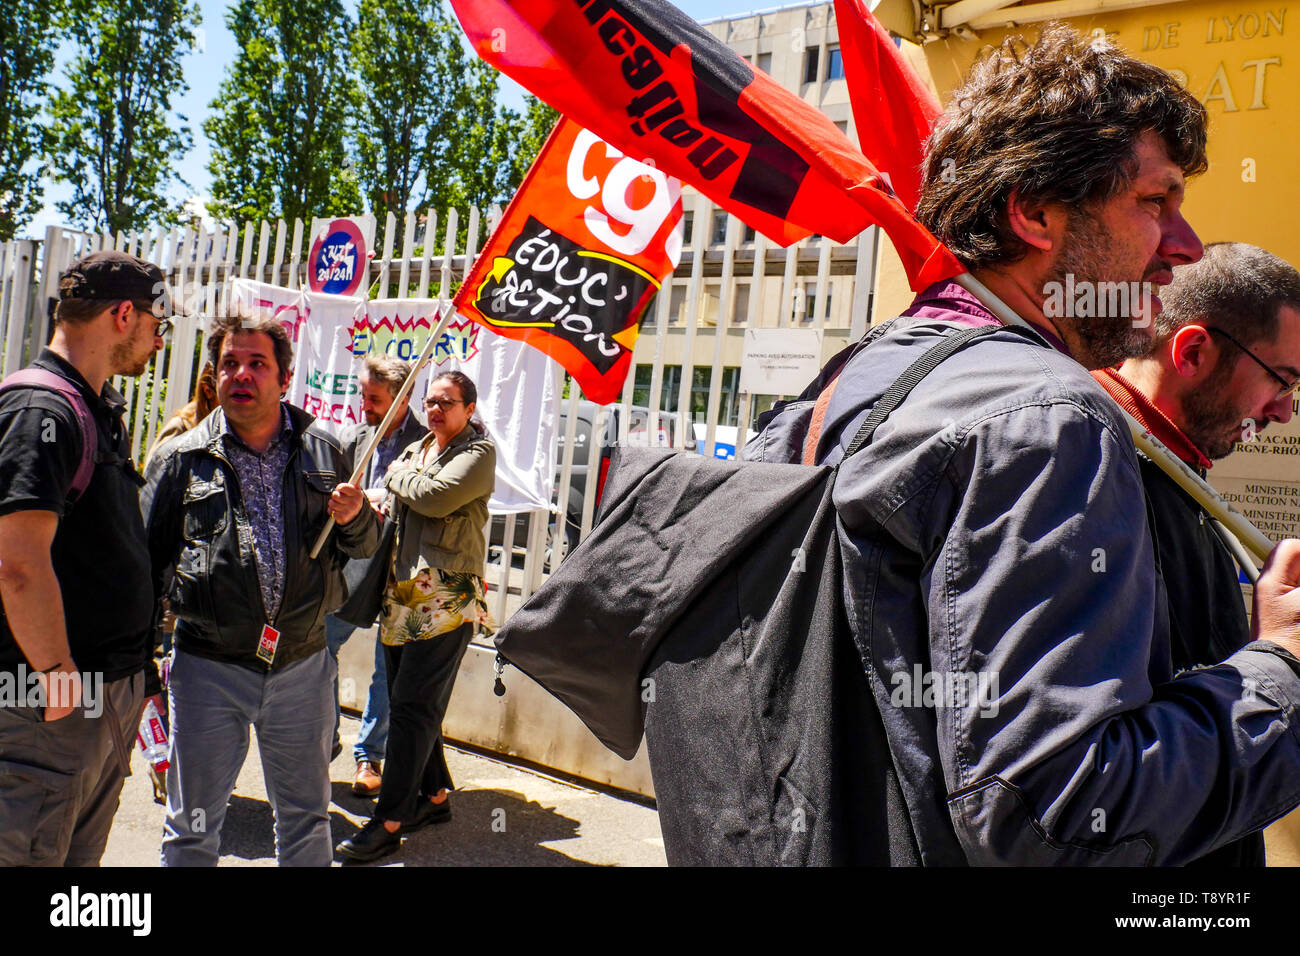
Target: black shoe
x=338 y=749
x=371 y=843
x=428 y=814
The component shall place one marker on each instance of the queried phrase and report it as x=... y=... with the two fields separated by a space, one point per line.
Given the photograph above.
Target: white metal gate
x=728 y=280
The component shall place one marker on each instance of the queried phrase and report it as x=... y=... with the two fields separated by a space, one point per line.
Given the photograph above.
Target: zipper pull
x=498 y=687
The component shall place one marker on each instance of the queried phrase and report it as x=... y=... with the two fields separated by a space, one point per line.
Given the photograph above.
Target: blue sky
x=206 y=66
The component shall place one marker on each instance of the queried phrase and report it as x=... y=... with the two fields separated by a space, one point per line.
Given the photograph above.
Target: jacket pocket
x=204 y=508
x=996 y=827
x=319 y=486
x=36 y=813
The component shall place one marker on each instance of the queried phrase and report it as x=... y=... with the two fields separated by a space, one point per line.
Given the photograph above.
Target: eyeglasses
x=164 y=325
x=1287 y=387
x=442 y=404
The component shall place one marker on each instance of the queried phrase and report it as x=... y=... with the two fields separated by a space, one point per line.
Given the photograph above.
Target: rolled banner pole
x=1251 y=537
x=1239 y=552
x=360 y=469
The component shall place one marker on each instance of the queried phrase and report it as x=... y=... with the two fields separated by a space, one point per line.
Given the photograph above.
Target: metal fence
x=728 y=280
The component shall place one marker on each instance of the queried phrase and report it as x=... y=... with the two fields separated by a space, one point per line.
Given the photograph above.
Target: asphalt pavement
x=502 y=815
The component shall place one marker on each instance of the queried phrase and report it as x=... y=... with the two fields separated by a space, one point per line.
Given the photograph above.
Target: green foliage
x=282 y=116
x=531 y=131
x=410 y=67
x=114 y=133
x=26 y=56
x=429 y=131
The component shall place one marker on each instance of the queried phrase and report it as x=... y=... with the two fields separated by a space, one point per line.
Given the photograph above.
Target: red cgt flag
x=578 y=256
x=892 y=107
x=651 y=81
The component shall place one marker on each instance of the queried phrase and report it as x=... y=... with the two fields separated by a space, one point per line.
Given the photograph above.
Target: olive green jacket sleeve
x=462 y=472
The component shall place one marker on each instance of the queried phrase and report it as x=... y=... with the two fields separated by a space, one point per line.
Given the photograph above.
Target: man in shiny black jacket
x=232 y=509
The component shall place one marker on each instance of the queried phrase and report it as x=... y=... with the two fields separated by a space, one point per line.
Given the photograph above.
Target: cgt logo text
x=77 y=909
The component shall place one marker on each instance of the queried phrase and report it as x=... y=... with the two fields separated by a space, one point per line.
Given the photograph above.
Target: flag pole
x=403 y=392
x=1236 y=523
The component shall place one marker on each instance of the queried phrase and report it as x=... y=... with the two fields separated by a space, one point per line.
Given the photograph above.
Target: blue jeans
x=373 y=740
x=212 y=705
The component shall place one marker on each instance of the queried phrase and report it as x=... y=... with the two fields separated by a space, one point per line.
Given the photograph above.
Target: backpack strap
x=51 y=382
x=894 y=396
x=918 y=370
x=818 y=420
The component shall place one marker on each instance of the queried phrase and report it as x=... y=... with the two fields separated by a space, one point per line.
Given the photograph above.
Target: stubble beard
x=1209 y=419
x=1104 y=340
x=124 y=356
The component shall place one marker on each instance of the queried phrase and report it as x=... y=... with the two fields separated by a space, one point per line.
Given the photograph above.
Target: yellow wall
x=1242 y=60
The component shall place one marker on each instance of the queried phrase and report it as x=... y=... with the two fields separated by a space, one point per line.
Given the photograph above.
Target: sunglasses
x=1288 y=388
x=443 y=404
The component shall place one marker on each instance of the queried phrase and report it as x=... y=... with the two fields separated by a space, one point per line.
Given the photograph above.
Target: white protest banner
x=332 y=335
x=324 y=378
x=780 y=361
x=516 y=385
x=319 y=326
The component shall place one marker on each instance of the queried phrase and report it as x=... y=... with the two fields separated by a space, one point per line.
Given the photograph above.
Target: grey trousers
x=60 y=782
x=212 y=706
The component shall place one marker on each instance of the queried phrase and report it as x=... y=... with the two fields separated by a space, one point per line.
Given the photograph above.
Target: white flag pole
x=403 y=392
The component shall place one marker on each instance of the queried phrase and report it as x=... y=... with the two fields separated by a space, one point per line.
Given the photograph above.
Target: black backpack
x=706 y=608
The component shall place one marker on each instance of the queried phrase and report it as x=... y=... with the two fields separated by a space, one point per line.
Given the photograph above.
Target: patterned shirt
x=261 y=478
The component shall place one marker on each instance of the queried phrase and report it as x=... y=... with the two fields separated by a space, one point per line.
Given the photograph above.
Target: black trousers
x=421 y=675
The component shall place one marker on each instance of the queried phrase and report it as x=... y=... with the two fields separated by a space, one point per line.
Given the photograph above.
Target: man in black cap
x=75 y=633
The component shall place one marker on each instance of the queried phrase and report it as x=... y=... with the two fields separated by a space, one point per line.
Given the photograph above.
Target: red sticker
x=266 y=646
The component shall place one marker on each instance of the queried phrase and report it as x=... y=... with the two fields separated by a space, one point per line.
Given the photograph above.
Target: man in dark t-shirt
x=1225 y=367
x=77 y=602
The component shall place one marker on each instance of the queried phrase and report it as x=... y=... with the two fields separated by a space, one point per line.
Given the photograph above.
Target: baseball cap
x=116 y=275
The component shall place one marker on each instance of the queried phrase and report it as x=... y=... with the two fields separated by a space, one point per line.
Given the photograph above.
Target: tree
x=114 y=132
x=429 y=131
x=26 y=58
x=282 y=116
x=529 y=135
x=411 y=71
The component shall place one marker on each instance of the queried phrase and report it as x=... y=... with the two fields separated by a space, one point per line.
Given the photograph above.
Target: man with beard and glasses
x=75 y=633
x=995 y=529
x=1226 y=364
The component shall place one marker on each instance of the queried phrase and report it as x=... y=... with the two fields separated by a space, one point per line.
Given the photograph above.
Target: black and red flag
x=892 y=107
x=649 y=80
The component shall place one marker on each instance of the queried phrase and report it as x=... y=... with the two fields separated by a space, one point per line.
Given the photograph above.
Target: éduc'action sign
x=578 y=257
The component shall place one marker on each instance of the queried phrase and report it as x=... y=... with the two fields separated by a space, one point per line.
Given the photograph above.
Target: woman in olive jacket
x=439 y=489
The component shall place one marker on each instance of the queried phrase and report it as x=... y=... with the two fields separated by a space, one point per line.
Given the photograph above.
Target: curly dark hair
x=1057 y=120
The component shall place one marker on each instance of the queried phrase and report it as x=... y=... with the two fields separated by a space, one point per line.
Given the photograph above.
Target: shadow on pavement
x=249 y=829
x=487 y=828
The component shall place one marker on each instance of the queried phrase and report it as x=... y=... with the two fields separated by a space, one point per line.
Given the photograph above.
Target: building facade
x=814 y=284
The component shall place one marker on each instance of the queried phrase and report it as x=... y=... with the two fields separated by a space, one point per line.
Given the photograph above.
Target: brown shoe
x=368 y=779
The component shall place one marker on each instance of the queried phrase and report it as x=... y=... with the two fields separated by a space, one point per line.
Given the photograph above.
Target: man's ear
x=1039 y=224
x=1192 y=352
x=120 y=322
